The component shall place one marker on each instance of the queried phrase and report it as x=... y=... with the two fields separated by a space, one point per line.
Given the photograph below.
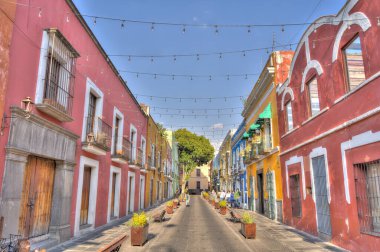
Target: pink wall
x=91 y=64
x=331 y=86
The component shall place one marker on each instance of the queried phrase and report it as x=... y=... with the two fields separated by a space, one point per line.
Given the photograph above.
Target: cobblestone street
x=201 y=228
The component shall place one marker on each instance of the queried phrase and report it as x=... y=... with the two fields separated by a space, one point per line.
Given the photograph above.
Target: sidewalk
x=101 y=236
x=275 y=236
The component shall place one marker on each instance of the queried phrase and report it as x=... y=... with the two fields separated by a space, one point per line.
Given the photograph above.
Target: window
x=198 y=172
x=354 y=63
x=85 y=196
x=288 y=116
x=367 y=181
x=116 y=135
x=294 y=187
x=153 y=153
x=91 y=114
x=313 y=97
x=198 y=185
x=133 y=143
x=55 y=86
x=143 y=147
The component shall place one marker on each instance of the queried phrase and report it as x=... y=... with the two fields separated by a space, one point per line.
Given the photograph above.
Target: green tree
x=193 y=150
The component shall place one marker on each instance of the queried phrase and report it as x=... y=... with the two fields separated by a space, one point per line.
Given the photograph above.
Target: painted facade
x=174 y=174
x=225 y=162
x=330 y=131
x=238 y=166
x=84 y=137
x=199 y=179
x=262 y=149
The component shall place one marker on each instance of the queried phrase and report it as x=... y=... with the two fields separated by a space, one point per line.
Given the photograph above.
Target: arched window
x=354 y=64
x=288 y=116
x=312 y=88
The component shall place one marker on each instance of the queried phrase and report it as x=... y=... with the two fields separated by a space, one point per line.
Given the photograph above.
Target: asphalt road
x=197 y=228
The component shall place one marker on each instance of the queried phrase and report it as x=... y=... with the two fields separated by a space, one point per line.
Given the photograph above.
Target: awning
x=254 y=127
x=245 y=135
x=267 y=113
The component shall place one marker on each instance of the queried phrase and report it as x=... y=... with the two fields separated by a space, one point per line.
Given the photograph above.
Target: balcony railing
x=125 y=152
x=98 y=133
x=139 y=160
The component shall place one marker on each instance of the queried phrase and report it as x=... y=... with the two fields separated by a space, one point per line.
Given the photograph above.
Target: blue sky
x=140 y=39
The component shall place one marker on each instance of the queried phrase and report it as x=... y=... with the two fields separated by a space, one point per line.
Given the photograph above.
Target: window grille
x=294 y=187
x=60 y=73
x=367 y=188
x=354 y=63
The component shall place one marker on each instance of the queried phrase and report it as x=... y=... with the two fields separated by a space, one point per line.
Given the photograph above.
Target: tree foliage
x=193 y=150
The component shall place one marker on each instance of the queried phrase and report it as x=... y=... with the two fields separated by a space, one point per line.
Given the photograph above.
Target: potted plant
x=248 y=227
x=223 y=207
x=175 y=202
x=139 y=229
x=216 y=204
x=169 y=207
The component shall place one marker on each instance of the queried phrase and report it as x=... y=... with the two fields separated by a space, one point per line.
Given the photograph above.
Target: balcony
x=98 y=136
x=124 y=155
x=137 y=159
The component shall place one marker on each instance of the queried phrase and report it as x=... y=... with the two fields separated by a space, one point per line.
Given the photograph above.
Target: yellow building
x=199 y=179
x=261 y=156
x=158 y=162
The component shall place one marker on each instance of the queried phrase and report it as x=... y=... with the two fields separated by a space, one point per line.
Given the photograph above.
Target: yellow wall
x=204 y=178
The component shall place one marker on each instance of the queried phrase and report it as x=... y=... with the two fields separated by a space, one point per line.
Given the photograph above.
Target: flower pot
x=213 y=202
x=248 y=230
x=139 y=235
x=217 y=206
x=169 y=210
x=223 y=210
x=175 y=204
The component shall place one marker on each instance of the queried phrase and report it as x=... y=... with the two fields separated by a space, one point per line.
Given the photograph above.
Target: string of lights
x=152 y=24
x=195 y=99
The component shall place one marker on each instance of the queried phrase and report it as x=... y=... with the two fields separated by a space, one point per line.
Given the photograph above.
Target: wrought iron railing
x=139 y=160
x=125 y=152
x=98 y=132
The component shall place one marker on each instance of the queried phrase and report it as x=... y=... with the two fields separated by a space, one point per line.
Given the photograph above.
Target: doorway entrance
x=36 y=199
x=260 y=191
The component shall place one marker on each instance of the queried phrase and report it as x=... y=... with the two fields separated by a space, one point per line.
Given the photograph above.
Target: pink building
x=330 y=129
x=75 y=161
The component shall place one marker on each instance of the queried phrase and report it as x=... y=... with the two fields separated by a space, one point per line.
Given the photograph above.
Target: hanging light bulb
x=209 y=100
x=244 y=53
x=122 y=24
x=39 y=12
x=137 y=75
x=67 y=18
x=180 y=100
x=94 y=21
x=173 y=77
x=155 y=76
x=184 y=29
x=267 y=50
x=174 y=58
x=152 y=27
x=151 y=97
x=249 y=29
x=216 y=29
x=283 y=28
x=228 y=77
x=197 y=56
x=195 y=100
x=209 y=78
x=129 y=58
x=165 y=99
x=246 y=76
x=220 y=55
x=191 y=77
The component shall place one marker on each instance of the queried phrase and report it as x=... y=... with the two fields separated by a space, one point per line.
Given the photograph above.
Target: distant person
x=222 y=195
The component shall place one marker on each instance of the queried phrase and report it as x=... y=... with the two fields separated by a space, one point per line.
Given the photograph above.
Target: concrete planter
x=223 y=210
x=169 y=210
x=139 y=235
x=248 y=230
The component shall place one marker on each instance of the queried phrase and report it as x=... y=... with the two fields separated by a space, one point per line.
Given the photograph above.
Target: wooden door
x=37 y=197
x=113 y=189
x=85 y=196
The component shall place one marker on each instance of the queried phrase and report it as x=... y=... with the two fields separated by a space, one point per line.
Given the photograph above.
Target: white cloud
x=217 y=126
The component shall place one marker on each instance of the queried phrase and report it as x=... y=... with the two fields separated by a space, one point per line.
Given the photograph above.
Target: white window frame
x=153 y=154
x=133 y=141
x=143 y=148
x=288 y=128
x=94 y=164
x=142 y=192
x=120 y=116
x=131 y=174
x=113 y=170
x=91 y=88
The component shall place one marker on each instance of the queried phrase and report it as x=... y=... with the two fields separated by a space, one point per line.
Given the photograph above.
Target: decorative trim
x=117 y=114
x=337 y=128
x=357 y=18
x=116 y=170
x=260 y=104
x=288 y=90
x=291 y=161
x=356 y=141
x=316 y=152
x=290 y=131
x=314 y=116
x=133 y=187
x=312 y=64
x=94 y=164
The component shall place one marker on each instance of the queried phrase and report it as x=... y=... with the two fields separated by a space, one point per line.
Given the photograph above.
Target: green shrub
x=139 y=220
x=247 y=218
x=223 y=203
x=170 y=204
